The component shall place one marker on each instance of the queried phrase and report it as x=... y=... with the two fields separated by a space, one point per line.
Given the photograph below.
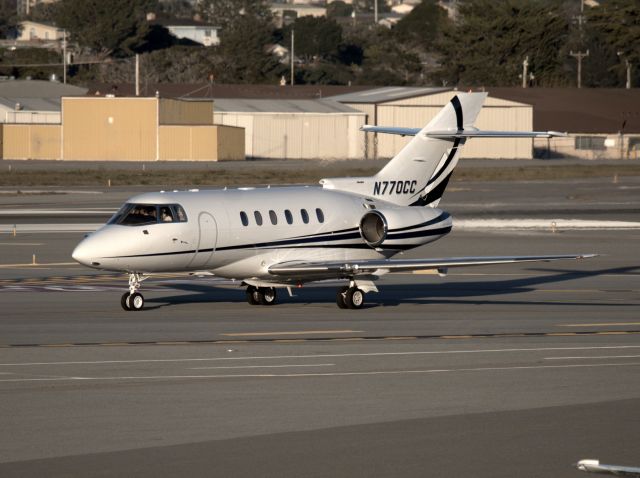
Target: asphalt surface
x=499 y=371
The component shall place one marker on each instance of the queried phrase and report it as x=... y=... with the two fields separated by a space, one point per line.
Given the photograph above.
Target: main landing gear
x=350 y=298
x=261 y=295
x=133 y=300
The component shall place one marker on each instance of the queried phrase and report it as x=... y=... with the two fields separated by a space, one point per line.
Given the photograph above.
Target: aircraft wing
x=594 y=466
x=461 y=133
x=382 y=266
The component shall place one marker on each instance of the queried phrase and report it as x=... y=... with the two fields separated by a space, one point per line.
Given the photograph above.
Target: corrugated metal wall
x=201 y=143
x=230 y=143
x=192 y=112
x=124 y=129
x=30 y=141
x=299 y=136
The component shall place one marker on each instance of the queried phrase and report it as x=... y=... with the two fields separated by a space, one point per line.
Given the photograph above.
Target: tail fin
x=418 y=174
x=426 y=163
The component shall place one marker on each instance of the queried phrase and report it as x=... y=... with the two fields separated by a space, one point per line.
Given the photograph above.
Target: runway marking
x=603 y=324
x=332 y=374
x=43 y=264
x=592 y=358
x=361 y=354
x=304 y=332
x=21 y=243
x=580 y=333
x=266 y=366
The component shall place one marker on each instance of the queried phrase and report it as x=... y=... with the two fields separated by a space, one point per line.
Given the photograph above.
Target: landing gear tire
x=341 y=297
x=135 y=301
x=354 y=298
x=253 y=295
x=267 y=295
x=124 y=301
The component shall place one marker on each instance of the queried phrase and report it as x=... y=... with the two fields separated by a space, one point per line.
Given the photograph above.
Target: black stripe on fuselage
x=301 y=245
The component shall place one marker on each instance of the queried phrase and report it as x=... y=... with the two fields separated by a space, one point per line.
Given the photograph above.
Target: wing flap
x=367 y=267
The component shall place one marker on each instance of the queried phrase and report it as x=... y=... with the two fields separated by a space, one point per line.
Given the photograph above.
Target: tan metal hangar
x=108 y=128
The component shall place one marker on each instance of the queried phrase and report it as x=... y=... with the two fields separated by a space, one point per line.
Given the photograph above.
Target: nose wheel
x=133 y=300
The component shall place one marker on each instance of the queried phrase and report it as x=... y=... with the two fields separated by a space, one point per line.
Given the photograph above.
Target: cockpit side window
x=180 y=215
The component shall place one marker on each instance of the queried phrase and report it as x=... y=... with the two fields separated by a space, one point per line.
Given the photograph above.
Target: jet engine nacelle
x=403 y=226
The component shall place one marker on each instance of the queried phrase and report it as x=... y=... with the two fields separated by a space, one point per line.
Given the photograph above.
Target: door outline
x=207 y=239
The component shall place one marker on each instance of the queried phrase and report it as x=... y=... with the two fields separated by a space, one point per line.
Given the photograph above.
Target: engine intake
x=373 y=228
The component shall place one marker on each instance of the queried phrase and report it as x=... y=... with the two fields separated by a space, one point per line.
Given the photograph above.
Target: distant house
x=194 y=30
x=34 y=31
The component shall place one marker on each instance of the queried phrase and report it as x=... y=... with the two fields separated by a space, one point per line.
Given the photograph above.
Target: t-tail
x=418 y=175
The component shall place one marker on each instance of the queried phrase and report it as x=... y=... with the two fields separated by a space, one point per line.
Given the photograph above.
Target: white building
x=204 y=34
x=295 y=129
x=34 y=31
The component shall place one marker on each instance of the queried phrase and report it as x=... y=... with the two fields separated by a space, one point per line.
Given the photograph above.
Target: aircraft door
x=207 y=239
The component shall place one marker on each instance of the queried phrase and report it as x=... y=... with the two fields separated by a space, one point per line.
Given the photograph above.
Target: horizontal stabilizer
x=465 y=133
x=365 y=267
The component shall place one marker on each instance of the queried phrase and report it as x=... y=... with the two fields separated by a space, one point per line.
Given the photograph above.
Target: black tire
x=341 y=296
x=253 y=297
x=136 y=301
x=124 y=301
x=354 y=298
x=267 y=295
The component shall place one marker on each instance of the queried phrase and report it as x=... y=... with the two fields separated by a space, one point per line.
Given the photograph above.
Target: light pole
x=579 y=55
x=628 y=66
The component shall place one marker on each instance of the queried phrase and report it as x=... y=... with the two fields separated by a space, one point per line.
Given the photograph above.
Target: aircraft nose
x=81 y=254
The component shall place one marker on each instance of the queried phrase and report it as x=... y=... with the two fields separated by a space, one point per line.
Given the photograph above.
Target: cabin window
x=320 y=214
x=305 y=216
x=244 y=218
x=258 y=217
x=288 y=216
x=274 y=217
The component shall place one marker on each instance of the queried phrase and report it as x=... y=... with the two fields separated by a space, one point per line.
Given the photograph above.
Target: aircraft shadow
x=459 y=292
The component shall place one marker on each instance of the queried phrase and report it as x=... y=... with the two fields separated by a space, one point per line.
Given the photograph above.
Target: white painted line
x=267 y=366
x=334 y=374
x=593 y=358
x=302 y=332
x=280 y=357
x=603 y=324
x=48 y=228
x=544 y=224
x=50 y=212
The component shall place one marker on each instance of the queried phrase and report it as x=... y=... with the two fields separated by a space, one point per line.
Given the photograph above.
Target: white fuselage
x=214 y=238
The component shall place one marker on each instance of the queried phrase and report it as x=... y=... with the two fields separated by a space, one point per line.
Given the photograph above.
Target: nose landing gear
x=133 y=300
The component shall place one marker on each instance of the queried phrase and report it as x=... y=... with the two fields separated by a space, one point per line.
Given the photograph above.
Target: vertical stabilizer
x=429 y=162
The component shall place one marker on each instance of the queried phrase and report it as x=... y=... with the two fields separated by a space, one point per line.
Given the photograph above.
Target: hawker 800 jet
x=348 y=229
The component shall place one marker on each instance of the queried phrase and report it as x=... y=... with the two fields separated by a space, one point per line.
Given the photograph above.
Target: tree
x=241 y=56
x=108 y=27
x=8 y=19
x=224 y=13
x=489 y=43
x=422 y=25
x=315 y=37
x=36 y=57
x=613 y=27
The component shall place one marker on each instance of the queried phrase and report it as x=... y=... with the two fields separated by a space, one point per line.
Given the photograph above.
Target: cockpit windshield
x=144 y=214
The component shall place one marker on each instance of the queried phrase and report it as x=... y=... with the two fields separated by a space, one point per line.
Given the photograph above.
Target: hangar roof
x=31 y=104
x=38 y=89
x=281 y=106
x=382 y=95
x=584 y=110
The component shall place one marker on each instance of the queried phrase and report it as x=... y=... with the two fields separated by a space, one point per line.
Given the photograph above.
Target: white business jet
x=350 y=228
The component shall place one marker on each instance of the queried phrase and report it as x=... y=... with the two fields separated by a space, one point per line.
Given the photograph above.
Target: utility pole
x=375 y=11
x=64 y=56
x=579 y=55
x=137 y=75
x=292 y=55
x=628 y=66
x=525 y=65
